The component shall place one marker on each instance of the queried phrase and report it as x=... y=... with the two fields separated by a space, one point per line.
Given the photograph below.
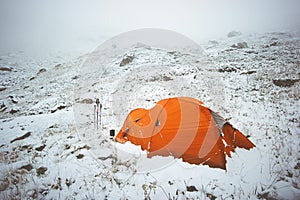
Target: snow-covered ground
x=50 y=149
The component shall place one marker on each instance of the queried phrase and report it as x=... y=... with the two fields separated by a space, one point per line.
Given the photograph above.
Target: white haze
x=76 y=27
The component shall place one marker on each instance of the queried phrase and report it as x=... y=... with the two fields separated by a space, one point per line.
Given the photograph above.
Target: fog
x=80 y=26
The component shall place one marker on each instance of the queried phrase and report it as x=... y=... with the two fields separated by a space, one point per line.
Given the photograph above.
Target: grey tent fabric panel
x=220 y=121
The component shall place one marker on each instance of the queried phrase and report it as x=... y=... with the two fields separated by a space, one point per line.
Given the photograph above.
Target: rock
x=227 y=69
x=53 y=126
x=248 y=72
x=2 y=89
x=79 y=148
x=167 y=78
x=234 y=34
x=26 y=147
x=126 y=60
x=191 y=188
x=297 y=166
x=213 y=42
x=43 y=70
x=13 y=99
x=40 y=148
x=27 y=167
x=57 y=66
x=26 y=135
x=285 y=82
x=41 y=170
x=211 y=196
x=273 y=44
x=58 y=107
x=79 y=156
x=13 y=111
x=5 y=69
x=85 y=101
x=75 y=77
x=3 y=107
x=53 y=110
x=4 y=185
x=67 y=146
x=251 y=52
x=240 y=45
x=61 y=107
x=57 y=186
x=69 y=182
x=173 y=52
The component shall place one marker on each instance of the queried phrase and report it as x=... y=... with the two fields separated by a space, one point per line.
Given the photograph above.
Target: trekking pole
x=97 y=120
x=100 y=112
x=94 y=116
x=97 y=111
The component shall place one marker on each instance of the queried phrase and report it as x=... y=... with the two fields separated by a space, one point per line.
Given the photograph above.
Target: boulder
x=240 y=45
x=234 y=34
x=5 y=69
x=126 y=60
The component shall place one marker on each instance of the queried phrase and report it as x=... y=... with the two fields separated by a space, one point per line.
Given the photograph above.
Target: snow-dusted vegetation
x=50 y=149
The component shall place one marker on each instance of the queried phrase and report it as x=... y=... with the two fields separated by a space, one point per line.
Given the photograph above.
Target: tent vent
x=157 y=123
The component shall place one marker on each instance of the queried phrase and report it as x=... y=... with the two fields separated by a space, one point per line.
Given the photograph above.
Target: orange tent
x=183 y=128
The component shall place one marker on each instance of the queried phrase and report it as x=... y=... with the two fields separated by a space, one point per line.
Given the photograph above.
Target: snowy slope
x=50 y=148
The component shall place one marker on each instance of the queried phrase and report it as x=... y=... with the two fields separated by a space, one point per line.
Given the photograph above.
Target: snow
x=81 y=162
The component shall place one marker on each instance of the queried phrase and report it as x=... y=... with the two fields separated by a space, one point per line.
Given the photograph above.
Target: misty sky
x=82 y=25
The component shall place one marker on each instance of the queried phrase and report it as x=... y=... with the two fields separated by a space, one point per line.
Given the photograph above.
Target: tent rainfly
x=183 y=127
